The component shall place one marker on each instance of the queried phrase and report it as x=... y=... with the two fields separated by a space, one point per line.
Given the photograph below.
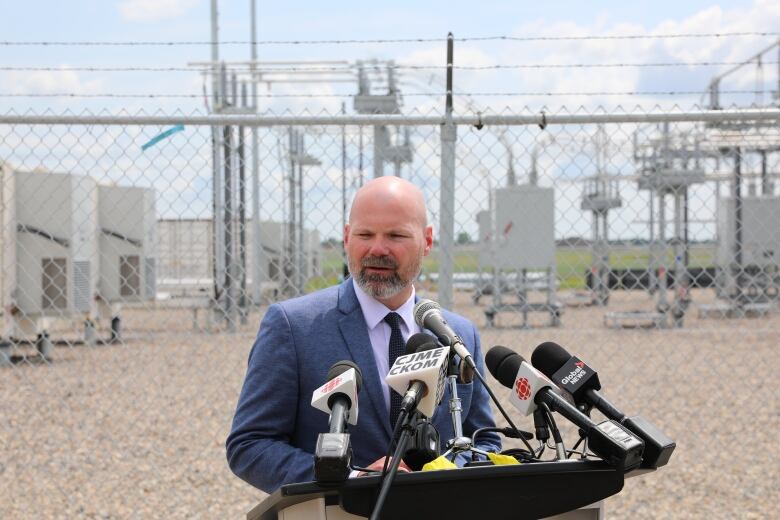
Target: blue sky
x=178 y=19
x=188 y=20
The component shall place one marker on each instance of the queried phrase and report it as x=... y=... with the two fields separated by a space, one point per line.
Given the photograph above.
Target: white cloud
x=154 y=10
x=49 y=82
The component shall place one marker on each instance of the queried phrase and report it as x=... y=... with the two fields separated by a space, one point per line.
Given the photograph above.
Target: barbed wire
x=351 y=67
x=392 y=40
x=412 y=94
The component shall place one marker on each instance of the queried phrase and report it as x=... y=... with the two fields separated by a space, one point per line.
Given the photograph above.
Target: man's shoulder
x=456 y=320
x=311 y=304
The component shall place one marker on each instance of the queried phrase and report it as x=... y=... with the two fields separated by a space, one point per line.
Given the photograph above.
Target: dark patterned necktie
x=396 y=349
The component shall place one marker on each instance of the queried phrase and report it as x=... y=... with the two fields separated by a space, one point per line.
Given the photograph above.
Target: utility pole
x=345 y=269
x=218 y=271
x=449 y=134
x=258 y=259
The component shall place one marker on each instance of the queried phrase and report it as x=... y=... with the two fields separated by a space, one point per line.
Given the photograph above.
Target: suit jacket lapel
x=353 y=328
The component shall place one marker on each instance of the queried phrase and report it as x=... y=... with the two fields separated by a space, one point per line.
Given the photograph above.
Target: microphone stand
x=400 y=450
x=461 y=443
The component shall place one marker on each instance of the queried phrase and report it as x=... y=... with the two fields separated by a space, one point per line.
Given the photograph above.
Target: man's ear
x=428 y=234
x=346 y=234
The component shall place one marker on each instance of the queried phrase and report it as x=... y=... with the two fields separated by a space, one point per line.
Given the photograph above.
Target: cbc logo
x=330 y=385
x=523 y=388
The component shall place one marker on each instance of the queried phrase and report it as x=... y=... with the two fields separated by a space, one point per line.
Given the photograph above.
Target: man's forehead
x=401 y=224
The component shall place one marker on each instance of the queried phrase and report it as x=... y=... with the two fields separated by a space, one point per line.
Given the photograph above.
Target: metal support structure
x=299 y=251
x=243 y=307
x=767 y=188
x=663 y=304
x=345 y=268
x=396 y=160
x=217 y=87
x=600 y=195
x=296 y=258
x=666 y=171
x=381 y=142
x=449 y=133
x=258 y=255
x=228 y=291
x=288 y=262
x=714 y=87
x=737 y=268
x=771 y=115
x=360 y=157
x=680 y=268
x=652 y=261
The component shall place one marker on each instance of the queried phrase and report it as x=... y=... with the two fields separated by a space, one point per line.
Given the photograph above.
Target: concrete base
x=553 y=309
x=44 y=346
x=724 y=310
x=5 y=353
x=635 y=320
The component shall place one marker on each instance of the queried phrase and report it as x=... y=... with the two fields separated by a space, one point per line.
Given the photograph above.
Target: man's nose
x=379 y=247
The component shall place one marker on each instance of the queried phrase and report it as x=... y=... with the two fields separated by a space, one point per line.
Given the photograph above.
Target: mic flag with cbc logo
x=428 y=367
x=346 y=383
x=528 y=382
x=512 y=371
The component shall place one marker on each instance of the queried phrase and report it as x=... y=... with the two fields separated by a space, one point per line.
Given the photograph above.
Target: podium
x=516 y=492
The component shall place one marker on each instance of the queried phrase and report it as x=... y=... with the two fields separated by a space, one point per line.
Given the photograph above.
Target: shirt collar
x=374 y=311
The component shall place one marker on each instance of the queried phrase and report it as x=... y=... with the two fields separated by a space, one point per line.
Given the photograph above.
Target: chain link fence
x=139 y=254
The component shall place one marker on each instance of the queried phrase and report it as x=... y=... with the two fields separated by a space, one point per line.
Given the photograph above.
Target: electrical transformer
x=524 y=231
x=50 y=250
x=759 y=244
x=127 y=244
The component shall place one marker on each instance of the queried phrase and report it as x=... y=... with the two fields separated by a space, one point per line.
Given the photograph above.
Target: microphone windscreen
x=342 y=366
x=495 y=355
x=421 y=308
x=503 y=363
x=420 y=341
x=548 y=357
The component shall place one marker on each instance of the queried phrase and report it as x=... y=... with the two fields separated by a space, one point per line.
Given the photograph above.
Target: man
x=275 y=428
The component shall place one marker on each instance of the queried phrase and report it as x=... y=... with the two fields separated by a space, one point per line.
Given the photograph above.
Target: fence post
x=449 y=133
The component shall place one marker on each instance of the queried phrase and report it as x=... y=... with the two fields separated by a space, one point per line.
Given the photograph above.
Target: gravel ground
x=137 y=430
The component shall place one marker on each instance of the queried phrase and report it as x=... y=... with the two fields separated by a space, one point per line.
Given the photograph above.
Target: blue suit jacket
x=275 y=429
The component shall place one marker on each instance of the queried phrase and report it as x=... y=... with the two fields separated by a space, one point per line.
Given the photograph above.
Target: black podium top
x=514 y=492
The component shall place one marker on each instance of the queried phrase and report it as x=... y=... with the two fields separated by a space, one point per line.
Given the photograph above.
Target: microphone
x=427 y=314
x=419 y=374
x=511 y=370
x=609 y=440
x=582 y=382
x=338 y=397
x=424 y=443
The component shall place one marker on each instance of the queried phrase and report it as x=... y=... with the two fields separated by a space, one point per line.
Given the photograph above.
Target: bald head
x=386 y=192
x=386 y=239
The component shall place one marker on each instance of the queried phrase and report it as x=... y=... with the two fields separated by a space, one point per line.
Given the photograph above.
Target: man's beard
x=383 y=286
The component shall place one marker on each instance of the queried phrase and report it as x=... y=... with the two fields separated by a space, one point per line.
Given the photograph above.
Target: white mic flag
x=528 y=382
x=429 y=367
x=344 y=383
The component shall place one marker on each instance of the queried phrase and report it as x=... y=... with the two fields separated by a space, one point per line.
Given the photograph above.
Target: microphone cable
x=556 y=434
x=542 y=446
x=506 y=432
x=521 y=455
x=364 y=470
x=584 y=454
x=503 y=412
